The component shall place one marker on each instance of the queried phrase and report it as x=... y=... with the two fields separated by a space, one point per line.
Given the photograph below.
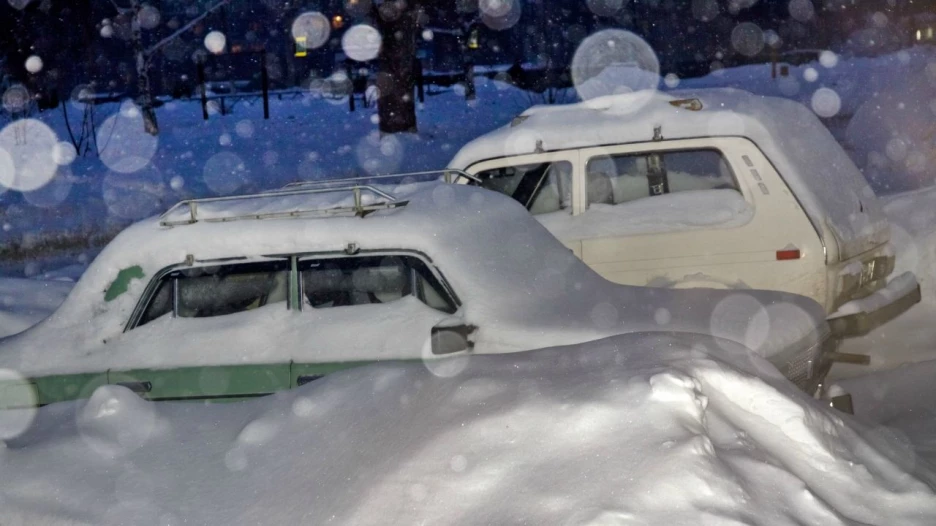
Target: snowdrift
x=635 y=429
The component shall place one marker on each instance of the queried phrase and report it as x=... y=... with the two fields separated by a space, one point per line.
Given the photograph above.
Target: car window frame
x=444 y=289
x=292 y=259
x=612 y=152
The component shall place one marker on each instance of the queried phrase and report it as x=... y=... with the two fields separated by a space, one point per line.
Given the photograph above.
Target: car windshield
x=477 y=261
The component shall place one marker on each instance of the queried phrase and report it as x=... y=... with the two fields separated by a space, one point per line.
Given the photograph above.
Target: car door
x=699 y=212
x=543 y=183
x=373 y=306
x=17 y=392
x=189 y=304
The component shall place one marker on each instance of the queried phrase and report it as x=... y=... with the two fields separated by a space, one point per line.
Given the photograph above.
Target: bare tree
x=143 y=56
x=397 y=21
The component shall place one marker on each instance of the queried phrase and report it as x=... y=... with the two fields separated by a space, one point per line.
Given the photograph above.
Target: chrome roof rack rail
x=385 y=201
x=449 y=175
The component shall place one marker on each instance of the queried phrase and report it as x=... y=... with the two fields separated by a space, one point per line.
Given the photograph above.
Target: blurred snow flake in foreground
x=500 y=14
x=801 y=10
x=810 y=75
x=148 y=17
x=63 y=153
x=215 y=42
x=362 y=43
x=747 y=38
x=828 y=59
x=244 y=129
x=614 y=61
x=16 y=98
x=28 y=146
x=826 y=102
x=19 y=395
x=177 y=183
x=225 y=173
x=311 y=30
x=34 y=64
x=458 y=463
x=376 y=154
x=671 y=80
x=124 y=145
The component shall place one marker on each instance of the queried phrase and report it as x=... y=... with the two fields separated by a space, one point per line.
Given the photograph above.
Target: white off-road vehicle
x=714 y=188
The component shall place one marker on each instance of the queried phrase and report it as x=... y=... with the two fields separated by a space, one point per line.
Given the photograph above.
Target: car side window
x=540 y=187
x=616 y=179
x=218 y=290
x=365 y=280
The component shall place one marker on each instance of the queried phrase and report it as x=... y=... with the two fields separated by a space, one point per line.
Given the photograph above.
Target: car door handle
x=137 y=387
x=306 y=378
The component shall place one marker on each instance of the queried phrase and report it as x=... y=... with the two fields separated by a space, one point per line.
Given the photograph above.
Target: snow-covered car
x=711 y=188
x=236 y=297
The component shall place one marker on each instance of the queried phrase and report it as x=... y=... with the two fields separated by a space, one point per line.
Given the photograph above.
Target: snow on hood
x=823 y=177
x=518 y=283
x=636 y=429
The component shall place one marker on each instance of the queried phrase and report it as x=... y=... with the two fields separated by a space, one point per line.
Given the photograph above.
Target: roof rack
x=450 y=176
x=385 y=201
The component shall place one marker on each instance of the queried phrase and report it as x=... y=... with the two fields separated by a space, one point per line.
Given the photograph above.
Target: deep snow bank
x=635 y=429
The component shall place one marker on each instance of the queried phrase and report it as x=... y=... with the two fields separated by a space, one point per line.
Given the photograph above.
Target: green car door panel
x=204 y=383
x=210 y=383
x=64 y=387
x=303 y=373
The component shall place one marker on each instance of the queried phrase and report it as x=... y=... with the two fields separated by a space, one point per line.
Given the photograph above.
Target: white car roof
x=823 y=177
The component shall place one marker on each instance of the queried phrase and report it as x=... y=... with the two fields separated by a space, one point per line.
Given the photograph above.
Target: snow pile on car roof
x=634 y=429
x=825 y=180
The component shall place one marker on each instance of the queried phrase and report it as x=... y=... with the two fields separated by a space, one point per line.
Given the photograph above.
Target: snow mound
x=913 y=220
x=115 y=421
x=635 y=429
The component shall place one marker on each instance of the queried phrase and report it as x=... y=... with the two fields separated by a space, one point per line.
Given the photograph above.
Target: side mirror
x=451 y=339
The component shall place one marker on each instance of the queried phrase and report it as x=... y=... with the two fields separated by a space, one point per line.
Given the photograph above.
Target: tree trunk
x=396 y=21
x=144 y=92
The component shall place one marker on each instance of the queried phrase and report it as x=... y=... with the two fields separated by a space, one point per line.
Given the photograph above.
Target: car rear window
x=615 y=179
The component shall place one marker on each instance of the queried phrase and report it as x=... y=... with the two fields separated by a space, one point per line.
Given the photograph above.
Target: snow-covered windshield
x=478 y=261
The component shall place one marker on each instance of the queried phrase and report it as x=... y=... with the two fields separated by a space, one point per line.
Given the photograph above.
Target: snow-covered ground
x=630 y=430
